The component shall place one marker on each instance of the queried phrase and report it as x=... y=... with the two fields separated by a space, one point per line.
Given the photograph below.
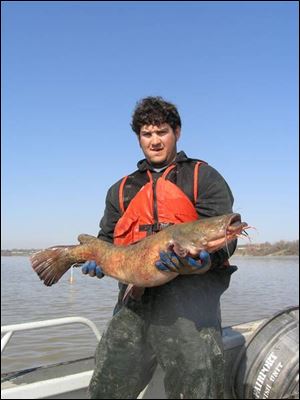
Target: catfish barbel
x=135 y=264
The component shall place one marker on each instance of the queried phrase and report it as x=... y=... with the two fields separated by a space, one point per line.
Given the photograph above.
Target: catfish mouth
x=218 y=232
x=235 y=224
x=234 y=228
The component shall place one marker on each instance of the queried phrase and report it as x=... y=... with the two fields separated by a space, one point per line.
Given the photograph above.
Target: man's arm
x=215 y=198
x=111 y=214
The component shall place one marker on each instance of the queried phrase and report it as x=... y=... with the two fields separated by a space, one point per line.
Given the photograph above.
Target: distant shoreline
x=278 y=249
x=17 y=252
x=266 y=256
x=236 y=254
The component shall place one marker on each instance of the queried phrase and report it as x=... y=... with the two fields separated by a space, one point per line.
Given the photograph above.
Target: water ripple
x=259 y=288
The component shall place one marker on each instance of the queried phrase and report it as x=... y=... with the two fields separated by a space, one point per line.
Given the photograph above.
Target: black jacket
x=214 y=196
x=194 y=298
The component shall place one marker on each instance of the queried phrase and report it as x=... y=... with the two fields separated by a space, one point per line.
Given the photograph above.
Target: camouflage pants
x=127 y=355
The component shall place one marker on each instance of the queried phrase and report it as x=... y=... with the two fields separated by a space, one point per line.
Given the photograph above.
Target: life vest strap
x=166 y=172
x=196 y=174
x=149 y=176
x=154 y=228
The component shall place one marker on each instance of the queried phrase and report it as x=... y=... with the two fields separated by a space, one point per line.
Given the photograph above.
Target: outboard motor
x=268 y=364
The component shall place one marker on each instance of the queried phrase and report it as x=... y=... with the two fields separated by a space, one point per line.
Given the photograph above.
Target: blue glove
x=91 y=268
x=170 y=261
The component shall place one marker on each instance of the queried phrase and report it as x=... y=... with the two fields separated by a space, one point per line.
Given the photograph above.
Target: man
x=177 y=325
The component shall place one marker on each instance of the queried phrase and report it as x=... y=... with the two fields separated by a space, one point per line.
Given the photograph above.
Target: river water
x=260 y=287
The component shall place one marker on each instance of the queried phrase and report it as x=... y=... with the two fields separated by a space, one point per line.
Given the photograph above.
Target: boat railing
x=53 y=386
x=9 y=330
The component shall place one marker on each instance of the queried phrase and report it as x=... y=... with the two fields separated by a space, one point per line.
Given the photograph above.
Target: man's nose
x=155 y=140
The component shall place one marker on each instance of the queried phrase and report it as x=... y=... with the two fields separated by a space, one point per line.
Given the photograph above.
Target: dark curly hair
x=154 y=111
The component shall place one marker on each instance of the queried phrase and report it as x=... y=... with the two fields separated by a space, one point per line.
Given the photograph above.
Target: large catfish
x=135 y=264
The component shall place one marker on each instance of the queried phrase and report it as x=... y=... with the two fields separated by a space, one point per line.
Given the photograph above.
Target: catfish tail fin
x=52 y=263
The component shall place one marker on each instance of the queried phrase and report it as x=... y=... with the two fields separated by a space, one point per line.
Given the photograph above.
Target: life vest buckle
x=163 y=225
x=154 y=228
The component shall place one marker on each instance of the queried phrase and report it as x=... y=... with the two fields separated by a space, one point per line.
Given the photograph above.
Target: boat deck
x=69 y=380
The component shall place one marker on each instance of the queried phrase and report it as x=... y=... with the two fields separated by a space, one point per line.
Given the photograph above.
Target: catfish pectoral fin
x=52 y=263
x=134 y=292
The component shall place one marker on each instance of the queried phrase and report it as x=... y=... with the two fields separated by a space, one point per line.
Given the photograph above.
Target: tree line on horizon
x=285 y=248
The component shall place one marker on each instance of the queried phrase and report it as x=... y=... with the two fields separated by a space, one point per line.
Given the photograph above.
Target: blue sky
x=72 y=73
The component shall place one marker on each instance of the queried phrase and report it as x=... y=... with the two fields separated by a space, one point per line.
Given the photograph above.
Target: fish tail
x=52 y=263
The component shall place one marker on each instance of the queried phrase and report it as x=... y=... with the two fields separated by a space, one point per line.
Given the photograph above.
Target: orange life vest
x=157 y=205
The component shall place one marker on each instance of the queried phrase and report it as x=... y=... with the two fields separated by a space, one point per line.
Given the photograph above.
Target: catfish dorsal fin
x=83 y=238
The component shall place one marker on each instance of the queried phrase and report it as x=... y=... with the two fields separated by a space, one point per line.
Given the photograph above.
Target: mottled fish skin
x=135 y=264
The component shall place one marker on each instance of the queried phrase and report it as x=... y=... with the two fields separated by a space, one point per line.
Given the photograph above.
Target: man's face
x=159 y=143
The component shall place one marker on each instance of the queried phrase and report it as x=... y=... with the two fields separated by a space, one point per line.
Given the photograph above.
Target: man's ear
x=177 y=132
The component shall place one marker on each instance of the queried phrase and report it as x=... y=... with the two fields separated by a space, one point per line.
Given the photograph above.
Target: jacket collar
x=144 y=165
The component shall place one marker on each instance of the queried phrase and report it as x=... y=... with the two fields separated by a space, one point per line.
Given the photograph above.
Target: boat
x=262 y=362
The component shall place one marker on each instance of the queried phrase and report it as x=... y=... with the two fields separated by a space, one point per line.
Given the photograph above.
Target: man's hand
x=170 y=261
x=91 y=268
